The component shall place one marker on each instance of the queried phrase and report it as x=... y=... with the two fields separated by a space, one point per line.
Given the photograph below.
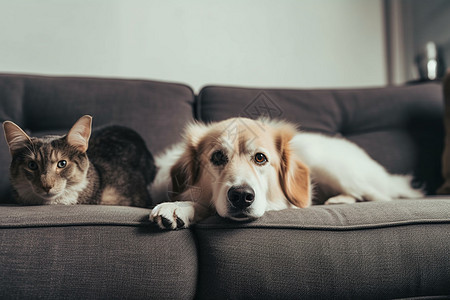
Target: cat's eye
x=218 y=158
x=62 y=164
x=32 y=165
x=260 y=158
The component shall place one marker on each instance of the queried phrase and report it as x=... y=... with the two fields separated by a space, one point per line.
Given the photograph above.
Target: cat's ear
x=15 y=136
x=80 y=133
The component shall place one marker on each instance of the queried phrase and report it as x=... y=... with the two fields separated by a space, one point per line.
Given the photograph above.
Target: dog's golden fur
x=280 y=183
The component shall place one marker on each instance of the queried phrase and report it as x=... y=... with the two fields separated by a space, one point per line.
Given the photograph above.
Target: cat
x=113 y=166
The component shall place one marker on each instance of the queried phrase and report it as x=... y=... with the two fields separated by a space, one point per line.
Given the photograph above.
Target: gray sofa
x=389 y=250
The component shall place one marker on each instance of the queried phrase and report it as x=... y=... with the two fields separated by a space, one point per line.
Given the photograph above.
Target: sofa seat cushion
x=92 y=252
x=363 y=251
x=400 y=127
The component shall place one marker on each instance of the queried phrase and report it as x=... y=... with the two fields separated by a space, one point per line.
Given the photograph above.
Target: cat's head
x=44 y=170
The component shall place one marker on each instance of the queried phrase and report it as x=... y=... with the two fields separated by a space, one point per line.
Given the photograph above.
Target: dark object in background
x=430 y=63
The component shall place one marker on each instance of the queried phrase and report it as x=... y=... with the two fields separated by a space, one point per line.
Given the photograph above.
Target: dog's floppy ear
x=186 y=170
x=293 y=175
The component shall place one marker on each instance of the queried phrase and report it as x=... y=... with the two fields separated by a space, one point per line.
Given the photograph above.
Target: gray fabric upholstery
x=92 y=252
x=41 y=104
x=362 y=251
x=400 y=127
x=367 y=250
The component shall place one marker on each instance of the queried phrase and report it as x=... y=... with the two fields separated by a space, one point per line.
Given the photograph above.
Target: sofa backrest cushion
x=445 y=188
x=42 y=105
x=400 y=127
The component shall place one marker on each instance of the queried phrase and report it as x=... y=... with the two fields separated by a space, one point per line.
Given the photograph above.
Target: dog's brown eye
x=260 y=158
x=219 y=158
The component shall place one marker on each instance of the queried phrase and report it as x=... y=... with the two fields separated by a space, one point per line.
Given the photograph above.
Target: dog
x=241 y=168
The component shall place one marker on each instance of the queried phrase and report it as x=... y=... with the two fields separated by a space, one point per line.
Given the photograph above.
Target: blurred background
x=299 y=44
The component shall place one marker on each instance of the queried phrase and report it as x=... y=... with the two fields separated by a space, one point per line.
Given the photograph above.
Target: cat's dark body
x=123 y=165
x=116 y=169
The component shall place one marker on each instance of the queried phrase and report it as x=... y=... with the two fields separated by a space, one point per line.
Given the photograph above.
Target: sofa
x=389 y=250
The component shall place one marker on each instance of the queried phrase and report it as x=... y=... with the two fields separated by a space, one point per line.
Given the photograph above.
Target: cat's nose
x=46 y=188
x=47 y=182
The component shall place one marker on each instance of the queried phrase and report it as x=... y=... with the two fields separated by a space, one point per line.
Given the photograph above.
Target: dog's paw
x=341 y=199
x=173 y=215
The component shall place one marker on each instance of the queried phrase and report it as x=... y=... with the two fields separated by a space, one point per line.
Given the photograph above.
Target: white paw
x=173 y=215
x=340 y=199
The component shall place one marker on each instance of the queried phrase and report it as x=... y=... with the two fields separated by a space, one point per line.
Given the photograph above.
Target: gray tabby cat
x=57 y=170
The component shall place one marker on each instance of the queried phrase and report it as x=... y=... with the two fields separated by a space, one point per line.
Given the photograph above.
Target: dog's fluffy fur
x=241 y=168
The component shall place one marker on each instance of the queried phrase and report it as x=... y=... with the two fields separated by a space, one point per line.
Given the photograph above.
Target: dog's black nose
x=241 y=196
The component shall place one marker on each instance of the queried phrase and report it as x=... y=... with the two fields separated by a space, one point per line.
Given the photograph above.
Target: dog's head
x=242 y=168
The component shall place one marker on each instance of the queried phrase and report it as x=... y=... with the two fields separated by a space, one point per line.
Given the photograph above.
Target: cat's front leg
x=173 y=215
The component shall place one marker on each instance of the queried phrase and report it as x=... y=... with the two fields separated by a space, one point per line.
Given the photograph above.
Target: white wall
x=301 y=43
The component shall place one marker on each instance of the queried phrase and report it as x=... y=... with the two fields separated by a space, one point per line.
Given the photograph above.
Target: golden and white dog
x=241 y=168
